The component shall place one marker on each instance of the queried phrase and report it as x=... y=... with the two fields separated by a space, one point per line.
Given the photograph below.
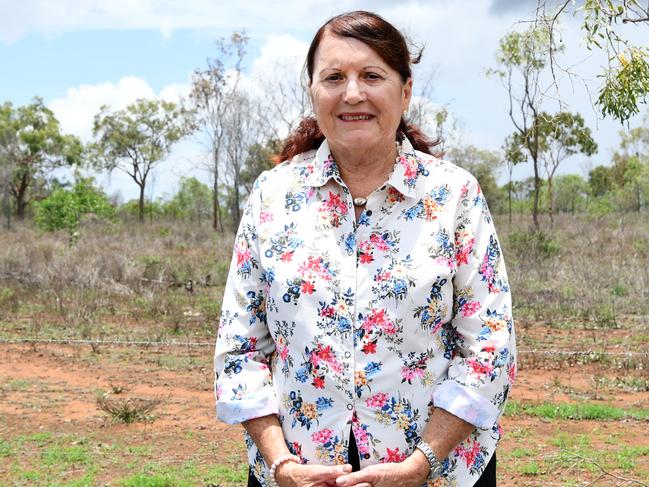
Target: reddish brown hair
x=387 y=42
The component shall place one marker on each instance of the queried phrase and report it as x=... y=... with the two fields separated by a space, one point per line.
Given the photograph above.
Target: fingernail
x=347 y=468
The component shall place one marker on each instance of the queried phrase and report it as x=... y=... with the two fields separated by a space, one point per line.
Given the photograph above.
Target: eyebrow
x=364 y=67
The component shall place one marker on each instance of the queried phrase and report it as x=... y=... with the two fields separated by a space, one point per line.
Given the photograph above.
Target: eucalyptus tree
x=562 y=135
x=522 y=59
x=136 y=139
x=213 y=96
x=625 y=76
x=31 y=146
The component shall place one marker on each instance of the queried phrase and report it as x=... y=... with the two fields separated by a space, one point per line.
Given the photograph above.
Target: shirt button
x=350 y=406
x=348 y=354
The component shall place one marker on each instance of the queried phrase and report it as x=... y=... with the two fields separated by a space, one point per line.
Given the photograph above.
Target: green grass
x=579 y=411
x=18 y=385
x=58 y=456
x=5 y=448
x=186 y=474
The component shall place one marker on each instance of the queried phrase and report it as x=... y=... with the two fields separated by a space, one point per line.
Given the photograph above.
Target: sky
x=80 y=54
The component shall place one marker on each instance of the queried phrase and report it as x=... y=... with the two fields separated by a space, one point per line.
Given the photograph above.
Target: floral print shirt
x=332 y=322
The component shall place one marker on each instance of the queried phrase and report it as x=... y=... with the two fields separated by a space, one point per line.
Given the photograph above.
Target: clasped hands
x=409 y=473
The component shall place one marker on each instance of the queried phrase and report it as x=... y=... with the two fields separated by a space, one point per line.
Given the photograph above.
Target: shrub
x=537 y=243
x=65 y=208
x=127 y=410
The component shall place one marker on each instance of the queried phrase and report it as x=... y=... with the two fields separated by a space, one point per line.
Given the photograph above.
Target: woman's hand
x=291 y=474
x=409 y=473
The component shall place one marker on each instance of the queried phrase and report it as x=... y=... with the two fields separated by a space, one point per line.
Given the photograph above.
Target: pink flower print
x=409 y=167
x=511 y=372
x=378 y=243
x=408 y=374
x=307 y=288
x=362 y=441
x=394 y=456
x=480 y=368
x=470 y=308
x=469 y=454
x=321 y=437
x=377 y=401
x=243 y=254
x=265 y=216
x=464 y=191
x=328 y=312
x=489 y=348
x=389 y=328
x=286 y=256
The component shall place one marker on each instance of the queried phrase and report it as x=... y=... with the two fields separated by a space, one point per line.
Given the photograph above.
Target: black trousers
x=487 y=479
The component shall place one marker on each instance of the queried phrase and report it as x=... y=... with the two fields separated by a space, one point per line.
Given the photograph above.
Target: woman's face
x=357 y=97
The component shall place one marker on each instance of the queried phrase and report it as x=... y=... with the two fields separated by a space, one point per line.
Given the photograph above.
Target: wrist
x=281 y=467
x=418 y=464
x=435 y=465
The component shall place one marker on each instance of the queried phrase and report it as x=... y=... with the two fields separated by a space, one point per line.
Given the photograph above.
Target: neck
x=365 y=169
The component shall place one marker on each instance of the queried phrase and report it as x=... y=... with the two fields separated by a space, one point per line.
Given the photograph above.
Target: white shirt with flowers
x=332 y=323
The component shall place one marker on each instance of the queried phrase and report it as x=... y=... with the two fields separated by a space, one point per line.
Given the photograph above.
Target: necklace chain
x=360 y=201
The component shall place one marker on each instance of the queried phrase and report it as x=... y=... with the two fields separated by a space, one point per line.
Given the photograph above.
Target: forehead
x=336 y=52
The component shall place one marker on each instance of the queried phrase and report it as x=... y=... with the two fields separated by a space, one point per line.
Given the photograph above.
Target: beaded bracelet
x=277 y=463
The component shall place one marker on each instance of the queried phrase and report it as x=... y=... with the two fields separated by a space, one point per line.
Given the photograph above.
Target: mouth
x=355 y=117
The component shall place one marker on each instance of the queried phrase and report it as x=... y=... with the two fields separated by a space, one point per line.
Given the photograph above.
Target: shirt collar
x=408 y=168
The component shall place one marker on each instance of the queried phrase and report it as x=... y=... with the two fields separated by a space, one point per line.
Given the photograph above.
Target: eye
x=372 y=76
x=333 y=77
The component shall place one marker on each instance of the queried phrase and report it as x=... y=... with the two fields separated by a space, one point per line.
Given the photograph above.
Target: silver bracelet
x=277 y=463
x=436 y=467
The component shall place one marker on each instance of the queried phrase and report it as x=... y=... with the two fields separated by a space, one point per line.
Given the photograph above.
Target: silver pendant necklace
x=360 y=201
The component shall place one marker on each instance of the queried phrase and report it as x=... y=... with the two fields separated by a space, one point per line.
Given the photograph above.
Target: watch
x=436 y=467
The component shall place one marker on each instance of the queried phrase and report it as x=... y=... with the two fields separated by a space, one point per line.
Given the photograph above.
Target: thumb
x=335 y=471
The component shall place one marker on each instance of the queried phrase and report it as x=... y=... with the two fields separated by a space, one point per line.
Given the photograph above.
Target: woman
x=366 y=336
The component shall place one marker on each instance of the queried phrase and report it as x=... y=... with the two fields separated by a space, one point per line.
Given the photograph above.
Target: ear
x=407 y=94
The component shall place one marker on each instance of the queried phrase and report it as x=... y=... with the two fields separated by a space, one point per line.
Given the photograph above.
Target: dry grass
x=116 y=278
x=595 y=272
x=134 y=280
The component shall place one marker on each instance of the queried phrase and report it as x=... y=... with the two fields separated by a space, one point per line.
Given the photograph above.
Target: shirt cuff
x=465 y=404
x=254 y=406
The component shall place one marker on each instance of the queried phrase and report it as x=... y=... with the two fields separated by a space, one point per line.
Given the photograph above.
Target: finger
x=362 y=477
x=323 y=472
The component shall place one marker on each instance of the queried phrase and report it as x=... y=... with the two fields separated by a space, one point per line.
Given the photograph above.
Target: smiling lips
x=355 y=117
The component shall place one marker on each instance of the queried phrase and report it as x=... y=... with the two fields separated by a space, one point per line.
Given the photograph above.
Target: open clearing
x=52 y=432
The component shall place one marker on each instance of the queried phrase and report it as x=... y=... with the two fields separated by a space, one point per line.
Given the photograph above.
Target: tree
x=31 y=144
x=626 y=77
x=484 y=165
x=522 y=59
x=261 y=157
x=561 y=135
x=571 y=192
x=600 y=180
x=513 y=156
x=212 y=94
x=135 y=140
x=64 y=209
x=242 y=131
x=193 y=201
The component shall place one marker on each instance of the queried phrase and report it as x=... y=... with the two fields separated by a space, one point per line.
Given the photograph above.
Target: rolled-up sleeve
x=243 y=385
x=484 y=363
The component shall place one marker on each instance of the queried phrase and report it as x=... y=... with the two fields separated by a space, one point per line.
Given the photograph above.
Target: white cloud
x=76 y=112
x=47 y=17
x=77 y=109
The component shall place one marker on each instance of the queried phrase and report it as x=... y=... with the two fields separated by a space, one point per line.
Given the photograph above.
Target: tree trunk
x=7 y=209
x=21 y=197
x=141 y=204
x=550 y=204
x=217 y=224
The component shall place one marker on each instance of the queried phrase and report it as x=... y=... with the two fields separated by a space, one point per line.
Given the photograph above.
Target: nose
x=354 y=93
